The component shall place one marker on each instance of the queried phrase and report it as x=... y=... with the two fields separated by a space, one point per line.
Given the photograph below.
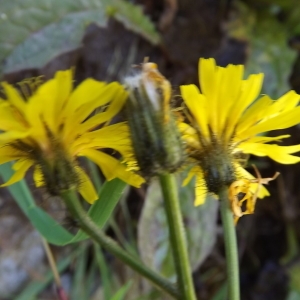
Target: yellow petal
x=11 y=135
x=207 y=76
x=201 y=190
x=250 y=90
x=114 y=136
x=115 y=106
x=285 y=103
x=72 y=124
x=281 y=121
x=90 y=90
x=111 y=167
x=14 y=97
x=252 y=115
x=21 y=168
x=34 y=115
x=47 y=95
x=228 y=93
x=197 y=105
x=86 y=187
x=278 y=153
x=9 y=120
x=193 y=172
x=267 y=139
x=7 y=153
x=65 y=85
x=242 y=173
x=210 y=83
x=38 y=176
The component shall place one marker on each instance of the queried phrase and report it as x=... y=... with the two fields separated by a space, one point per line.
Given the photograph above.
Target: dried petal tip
x=243 y=194
x=156 y=139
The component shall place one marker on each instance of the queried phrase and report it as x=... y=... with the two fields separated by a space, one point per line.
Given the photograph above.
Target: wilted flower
x=226 y=125
x=51 y=128
x=155 y=136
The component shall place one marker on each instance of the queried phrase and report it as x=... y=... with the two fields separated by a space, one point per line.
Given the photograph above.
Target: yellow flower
x=227 y=124
x=53 y=127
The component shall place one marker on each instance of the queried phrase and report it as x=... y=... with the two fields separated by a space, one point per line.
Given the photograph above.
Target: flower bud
x=155 y=136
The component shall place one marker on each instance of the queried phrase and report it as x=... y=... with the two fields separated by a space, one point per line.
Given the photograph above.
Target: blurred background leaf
x=268 y=51
x=153 y=236
x=32 y=32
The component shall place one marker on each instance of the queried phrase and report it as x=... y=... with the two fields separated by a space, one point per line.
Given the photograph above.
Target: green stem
x=177 y=236
x=87 y=225
x=230 y=246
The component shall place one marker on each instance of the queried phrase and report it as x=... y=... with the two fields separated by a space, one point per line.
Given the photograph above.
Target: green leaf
x=104 y=272
x=133 y=18
x=293 y=295
x=270 y=54
x=102 y=209
x=34 y=32
x=121 y=293
x=153 y=235
x=51 y=230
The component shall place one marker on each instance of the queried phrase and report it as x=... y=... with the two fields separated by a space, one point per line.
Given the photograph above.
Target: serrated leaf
x=153 y=234
x=34 y=32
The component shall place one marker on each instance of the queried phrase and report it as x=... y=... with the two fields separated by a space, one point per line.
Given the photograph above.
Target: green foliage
x=121 y=293
x=153 y=236
x=100 y=211
x=36 y=286
x=34 y=32
x=268 y=44
x=270 y=54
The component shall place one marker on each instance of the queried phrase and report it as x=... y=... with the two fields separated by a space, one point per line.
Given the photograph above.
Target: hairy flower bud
x=156 y=139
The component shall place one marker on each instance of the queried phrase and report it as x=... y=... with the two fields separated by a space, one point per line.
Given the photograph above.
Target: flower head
x=155 y=136
x=227 y=124
x=53 y=127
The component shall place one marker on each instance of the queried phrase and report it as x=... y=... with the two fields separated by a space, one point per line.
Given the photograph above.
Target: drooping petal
x=193 y=172
x=111 y=167
x=38 y=176
x=200 y=190
x=20 y=167
x=86 y=187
